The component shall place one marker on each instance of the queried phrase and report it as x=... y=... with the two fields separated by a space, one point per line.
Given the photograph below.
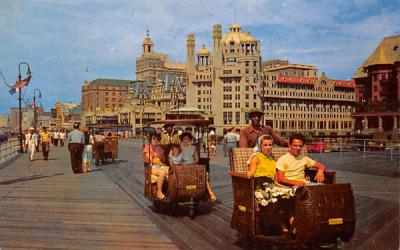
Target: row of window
x=237 y=97
x=205 y=107
x=237 y=105
x=203 y=77
x=280 y=114
x=204 y=99
x=202 y=84
x=312 y=94
x=205 y=92
x=304 y=125
x=229 y=88
x=319 y=108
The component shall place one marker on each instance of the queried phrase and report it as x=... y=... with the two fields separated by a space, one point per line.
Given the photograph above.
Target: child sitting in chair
x=175 y=156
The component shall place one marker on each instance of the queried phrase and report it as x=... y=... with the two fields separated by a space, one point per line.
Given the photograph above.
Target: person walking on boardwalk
x=31 y=141
x=75 y=143
x=45 y=139
x=249 y=135
x=37 y=134
x=99 y=143
x=62 y=138
x=87 y=150
x=56 y=138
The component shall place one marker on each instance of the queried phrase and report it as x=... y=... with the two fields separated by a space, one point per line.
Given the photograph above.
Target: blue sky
x=60 y=39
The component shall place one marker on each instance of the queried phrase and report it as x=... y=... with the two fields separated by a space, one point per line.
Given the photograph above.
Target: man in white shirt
x=32 y=142
x=290 y=167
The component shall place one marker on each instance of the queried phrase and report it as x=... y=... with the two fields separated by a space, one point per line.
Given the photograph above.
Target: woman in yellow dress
x=268 y=194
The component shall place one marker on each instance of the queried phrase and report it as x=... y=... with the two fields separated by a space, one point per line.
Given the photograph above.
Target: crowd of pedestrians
x=38 y=139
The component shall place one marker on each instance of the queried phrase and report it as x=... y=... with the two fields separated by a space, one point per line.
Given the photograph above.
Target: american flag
x=20 y=84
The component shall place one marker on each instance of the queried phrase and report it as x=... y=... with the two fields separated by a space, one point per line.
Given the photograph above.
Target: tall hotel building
x=219 y=82
x=227 y=82
x=297 y=99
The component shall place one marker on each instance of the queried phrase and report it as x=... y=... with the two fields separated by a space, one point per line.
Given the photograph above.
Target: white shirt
x=232 y=137
x=293 y=167
x=31 y=139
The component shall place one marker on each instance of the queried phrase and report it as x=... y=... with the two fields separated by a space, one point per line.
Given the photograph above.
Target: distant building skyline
x=84 y=41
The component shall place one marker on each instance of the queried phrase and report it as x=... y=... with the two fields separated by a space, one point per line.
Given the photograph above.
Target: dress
x=188 y=154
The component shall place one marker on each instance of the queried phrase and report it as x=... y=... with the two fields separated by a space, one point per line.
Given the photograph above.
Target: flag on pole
x=20 y=84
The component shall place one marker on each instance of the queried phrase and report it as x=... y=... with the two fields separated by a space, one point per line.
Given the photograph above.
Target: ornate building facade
x=151 y=64
x=229 y=81
x=219 y=81
x=296 y=99
x=378 y=91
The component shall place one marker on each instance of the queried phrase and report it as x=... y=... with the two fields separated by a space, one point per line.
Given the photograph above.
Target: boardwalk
x=45 y=205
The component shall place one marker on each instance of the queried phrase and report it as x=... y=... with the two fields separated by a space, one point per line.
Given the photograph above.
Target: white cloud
x=67 y=36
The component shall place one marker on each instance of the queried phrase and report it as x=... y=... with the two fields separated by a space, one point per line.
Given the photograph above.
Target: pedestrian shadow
x=28 y=178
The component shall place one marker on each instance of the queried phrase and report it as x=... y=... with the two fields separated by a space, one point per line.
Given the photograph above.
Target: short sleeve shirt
x=266 y=166
x=293 y=167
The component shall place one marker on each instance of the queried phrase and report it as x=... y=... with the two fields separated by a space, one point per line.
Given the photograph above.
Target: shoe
x=161 y=198
x=213 y=198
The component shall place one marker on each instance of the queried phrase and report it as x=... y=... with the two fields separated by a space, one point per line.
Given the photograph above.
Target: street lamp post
x=35 y=115
x=28 y=73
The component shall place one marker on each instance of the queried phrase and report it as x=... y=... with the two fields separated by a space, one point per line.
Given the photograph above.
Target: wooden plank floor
x=376 y=194
x=44 y=205
x=114 y=213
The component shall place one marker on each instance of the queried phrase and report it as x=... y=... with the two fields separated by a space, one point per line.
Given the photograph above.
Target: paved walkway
x=44 y=205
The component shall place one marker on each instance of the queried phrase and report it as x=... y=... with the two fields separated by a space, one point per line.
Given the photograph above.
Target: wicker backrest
x=241 y=156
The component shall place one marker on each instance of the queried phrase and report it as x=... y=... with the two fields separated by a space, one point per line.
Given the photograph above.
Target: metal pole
x=19 y=102
x=21 y=150
x=34 y=110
